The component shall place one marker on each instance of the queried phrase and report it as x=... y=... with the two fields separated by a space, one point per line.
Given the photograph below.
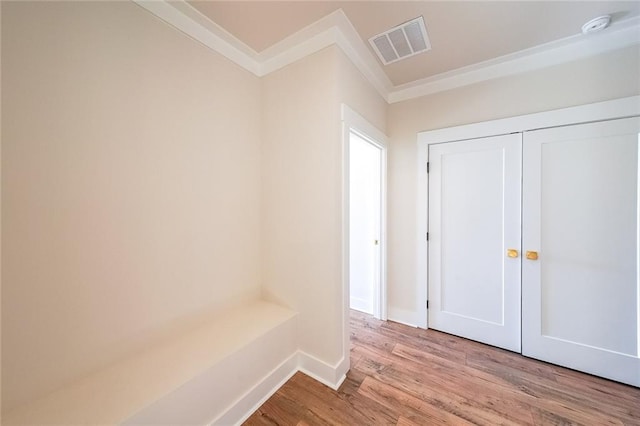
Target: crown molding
x=333 y=29
x=191 y=22
x=620 y=35
x=336 y=29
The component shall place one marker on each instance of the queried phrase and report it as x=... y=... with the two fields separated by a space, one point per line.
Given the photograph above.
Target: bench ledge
x=113 y=394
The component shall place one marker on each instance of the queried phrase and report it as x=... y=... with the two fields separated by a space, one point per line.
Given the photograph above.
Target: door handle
x=532 y=255
x=512 y=253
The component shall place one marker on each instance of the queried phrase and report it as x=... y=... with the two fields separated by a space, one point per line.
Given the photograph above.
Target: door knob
x=375 y=242
x=532 y=255
x=513 y=253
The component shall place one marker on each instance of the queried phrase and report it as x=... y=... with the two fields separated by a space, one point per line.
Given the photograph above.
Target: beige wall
x=609 y=76
x=301 y=203
x=356 y=92
x=130 y=186
x=302 y=190
x=137 y=191
x=360 y=95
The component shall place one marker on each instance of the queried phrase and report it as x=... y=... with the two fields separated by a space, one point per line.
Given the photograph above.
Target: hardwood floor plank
x=371 y=339
x=516 y=398
x=364 y=320
x=403 y=421
x=600 y=390
x=406 y=376
x=425 y=344
x=478 y=387
x=278 y=410
x=443 y=390
x=443 y=339
x=410 y=406
x=378 y=414
x=511 y=361
x=557 y=397
x=351 y=383
x=321 y=403
x=546 y=418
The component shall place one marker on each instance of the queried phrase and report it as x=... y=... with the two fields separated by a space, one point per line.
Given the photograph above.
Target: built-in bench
x=217 y=373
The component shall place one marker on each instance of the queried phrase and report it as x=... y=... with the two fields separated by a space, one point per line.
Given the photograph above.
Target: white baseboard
x=403 y=316
x=244 y=407
x=361 y=305
x=259 y=393
x=329 y=375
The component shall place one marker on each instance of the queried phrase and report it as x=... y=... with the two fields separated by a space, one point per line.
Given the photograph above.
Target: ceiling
x=462 y=33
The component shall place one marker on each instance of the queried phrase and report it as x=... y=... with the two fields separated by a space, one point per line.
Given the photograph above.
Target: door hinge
x=427 y=167
x=427 y=304
x=427 y=236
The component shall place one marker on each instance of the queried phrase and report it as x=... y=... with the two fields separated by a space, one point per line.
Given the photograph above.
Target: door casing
x=352 y=121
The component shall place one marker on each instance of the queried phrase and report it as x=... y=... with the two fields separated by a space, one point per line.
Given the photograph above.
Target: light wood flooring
x=406 y=376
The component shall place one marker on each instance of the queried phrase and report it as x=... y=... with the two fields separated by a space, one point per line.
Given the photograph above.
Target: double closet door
x=533 y=244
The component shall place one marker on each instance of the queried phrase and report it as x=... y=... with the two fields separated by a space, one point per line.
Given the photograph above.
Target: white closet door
x=474 y=218
x=580 y=214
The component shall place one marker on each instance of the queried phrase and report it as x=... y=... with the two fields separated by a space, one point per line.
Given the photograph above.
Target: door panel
x=365 y=167
x=580 y=212
x=474 y=217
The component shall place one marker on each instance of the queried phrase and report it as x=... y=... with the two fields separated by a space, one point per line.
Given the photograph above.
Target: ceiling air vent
x=402 y=41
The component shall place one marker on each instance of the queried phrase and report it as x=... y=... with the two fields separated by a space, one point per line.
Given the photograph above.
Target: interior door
x=365 y=204
x=474 y=223
x=580 y=216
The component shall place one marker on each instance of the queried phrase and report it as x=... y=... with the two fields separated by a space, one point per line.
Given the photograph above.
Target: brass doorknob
x=532 y=255
x=513 y=253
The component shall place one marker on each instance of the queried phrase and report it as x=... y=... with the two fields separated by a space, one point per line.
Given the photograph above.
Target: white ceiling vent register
x=401 y=42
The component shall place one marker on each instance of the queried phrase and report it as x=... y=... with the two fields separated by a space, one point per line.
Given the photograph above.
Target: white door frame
x=618 y=108
x=353 y=122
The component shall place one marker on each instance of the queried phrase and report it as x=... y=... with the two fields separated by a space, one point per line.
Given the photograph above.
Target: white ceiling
x=461 y=33
x=471 y=41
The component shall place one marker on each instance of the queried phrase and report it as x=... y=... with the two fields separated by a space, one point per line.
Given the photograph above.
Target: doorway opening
x=365 y=205
x=364 y=216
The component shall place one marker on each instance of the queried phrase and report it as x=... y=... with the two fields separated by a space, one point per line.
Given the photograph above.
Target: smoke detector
x=596 y=24
x=402 y=41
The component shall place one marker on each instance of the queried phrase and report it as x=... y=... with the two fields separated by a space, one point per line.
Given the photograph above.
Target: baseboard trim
x=329 y=375
x=361 y=305
x=403 y=316
x=300 y=361
x=259 y=393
